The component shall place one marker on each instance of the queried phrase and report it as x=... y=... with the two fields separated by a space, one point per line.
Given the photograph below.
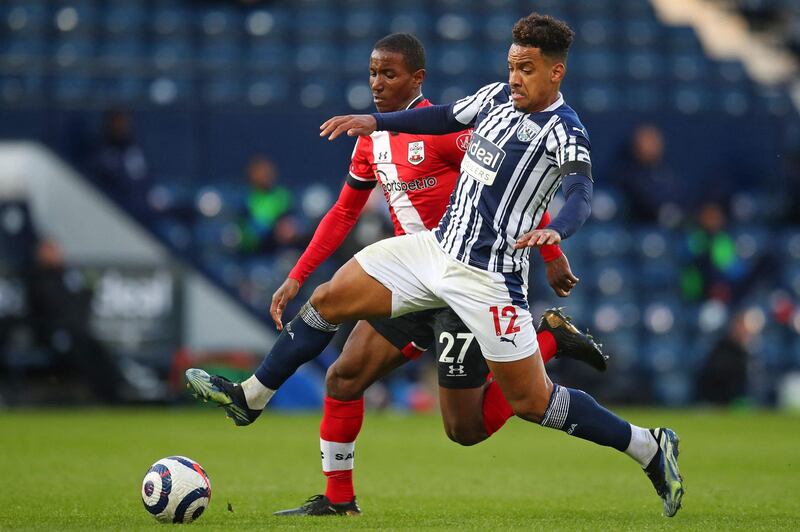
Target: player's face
x=533 y=77
x=393 y=84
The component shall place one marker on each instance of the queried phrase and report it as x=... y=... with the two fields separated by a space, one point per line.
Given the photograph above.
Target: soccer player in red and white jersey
x=417 y=174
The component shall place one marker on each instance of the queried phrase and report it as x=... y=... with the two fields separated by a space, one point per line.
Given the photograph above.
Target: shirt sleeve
x=438 y=119
x=452 y=147
x=361 y=175
x=573 y=154
x=331 y=231
x=466 y=109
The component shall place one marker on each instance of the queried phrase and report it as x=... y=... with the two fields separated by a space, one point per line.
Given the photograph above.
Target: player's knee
x=532 y=407
x=465 y=436
x=323 y=300
x=341 y=386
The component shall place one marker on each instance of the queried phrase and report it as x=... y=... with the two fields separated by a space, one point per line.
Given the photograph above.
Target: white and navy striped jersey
x=512 y=169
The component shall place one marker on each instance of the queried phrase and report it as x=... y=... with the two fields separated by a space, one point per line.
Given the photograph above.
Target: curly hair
x=553 y=37
x=406 y=45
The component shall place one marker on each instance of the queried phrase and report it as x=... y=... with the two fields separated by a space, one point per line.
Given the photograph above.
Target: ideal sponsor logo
x=483 y=160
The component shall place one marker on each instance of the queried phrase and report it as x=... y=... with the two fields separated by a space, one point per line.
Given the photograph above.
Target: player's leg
x=351 y=293
x=390 y=276
x=473 y=407
x=366 y=357
x=372 y=350
x=493 y=306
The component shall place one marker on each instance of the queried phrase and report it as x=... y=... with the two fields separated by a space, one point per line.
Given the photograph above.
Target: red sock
x=547 y=345
x=341 y=423
x=496 y=409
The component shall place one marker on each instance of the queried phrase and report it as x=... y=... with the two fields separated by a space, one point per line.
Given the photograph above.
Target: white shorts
x=422 y=276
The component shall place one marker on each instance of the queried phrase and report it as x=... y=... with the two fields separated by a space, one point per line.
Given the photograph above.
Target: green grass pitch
x=82 y=469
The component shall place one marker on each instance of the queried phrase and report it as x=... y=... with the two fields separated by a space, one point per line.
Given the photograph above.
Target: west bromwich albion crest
x=416 y=152
x=527 y=130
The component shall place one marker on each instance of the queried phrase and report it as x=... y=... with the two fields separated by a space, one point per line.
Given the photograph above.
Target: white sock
x=256 y=394
x=337 y=456
x=643 y=446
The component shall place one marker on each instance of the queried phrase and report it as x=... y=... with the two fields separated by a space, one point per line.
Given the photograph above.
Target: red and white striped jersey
x=416 y=172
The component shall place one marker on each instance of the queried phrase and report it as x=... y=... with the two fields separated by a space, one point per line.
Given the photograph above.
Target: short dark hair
x=406 y=45
x=553 y=37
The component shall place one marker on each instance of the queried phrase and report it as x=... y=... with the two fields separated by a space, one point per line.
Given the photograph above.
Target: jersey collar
x=415 y=102
x=558 y=103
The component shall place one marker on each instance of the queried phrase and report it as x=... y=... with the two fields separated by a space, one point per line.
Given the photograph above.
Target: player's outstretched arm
x=329 y=235
x=353 y=125
x=430 y=120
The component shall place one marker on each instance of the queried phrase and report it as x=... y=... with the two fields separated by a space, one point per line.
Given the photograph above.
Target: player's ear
x=558 y=71
x=418 y=77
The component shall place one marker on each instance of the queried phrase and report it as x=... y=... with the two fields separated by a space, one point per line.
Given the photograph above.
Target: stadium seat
x=267 y=90
x=77 y=17
x=168 y=19
x=316 y=57
x=124 y=55
x=497 y=25
x=22 y=54
x=268 y=57
x=220 y=23
x=455 y=26
x=682 y=39
x=272 y=23
x=169 y=90
x=24 y=18
x=642 y=31
x=355 y=60
x=316 y=23
x=123 y=19
x=452 y=60
x=172 y=55
x=220 y=57
x=217 y=91
x=365 y=24
x=407 y=19
x=174 y=233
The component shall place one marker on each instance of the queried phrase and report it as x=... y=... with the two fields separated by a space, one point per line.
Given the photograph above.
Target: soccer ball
x=176 y=490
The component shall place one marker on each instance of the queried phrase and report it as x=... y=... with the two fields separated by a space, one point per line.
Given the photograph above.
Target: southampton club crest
x=416 y=152
x=527 y=130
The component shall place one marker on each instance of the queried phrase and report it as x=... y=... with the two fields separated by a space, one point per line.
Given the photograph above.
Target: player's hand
x=280 y=298
x=538 y=238
x=560 y=277
x=353 y=125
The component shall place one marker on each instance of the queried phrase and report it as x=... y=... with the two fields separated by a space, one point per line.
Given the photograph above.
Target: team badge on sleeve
x=416 y=152
x=463 y=141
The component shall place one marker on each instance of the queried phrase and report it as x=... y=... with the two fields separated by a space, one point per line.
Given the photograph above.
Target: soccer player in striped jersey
x=418 y=175
x=526 y=143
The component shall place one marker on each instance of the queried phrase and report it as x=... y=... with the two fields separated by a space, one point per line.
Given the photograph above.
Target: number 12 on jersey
x=508 y=312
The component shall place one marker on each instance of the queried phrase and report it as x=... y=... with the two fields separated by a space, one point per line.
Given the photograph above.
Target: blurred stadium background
x=160 y=173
